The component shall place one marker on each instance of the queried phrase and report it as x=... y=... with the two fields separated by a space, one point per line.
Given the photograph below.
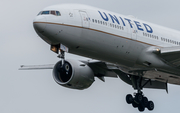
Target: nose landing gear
x=62 y=50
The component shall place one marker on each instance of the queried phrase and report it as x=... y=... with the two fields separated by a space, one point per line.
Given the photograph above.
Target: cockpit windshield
x=45 y=13
x=52 y=12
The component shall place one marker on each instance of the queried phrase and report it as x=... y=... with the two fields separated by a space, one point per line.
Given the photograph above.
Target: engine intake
x=73 y=74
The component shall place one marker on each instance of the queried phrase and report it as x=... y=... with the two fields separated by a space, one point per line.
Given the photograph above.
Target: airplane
x=140 y=53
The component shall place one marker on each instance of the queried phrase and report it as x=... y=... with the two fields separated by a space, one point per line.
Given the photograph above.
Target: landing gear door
x=84 y=19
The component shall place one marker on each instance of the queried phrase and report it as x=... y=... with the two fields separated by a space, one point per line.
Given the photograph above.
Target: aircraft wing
x=36 y=67
x=100 y=69
x=104 y=69
x=170 y=55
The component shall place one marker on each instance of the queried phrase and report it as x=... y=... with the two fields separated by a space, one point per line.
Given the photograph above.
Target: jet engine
x=73 y=74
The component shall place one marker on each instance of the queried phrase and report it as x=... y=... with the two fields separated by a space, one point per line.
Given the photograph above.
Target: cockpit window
x=45 y=13
x=39 y=13
x=56 y=13
x=53 y=12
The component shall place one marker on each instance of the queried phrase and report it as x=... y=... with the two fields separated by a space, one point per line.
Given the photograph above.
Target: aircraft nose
x=39 y=24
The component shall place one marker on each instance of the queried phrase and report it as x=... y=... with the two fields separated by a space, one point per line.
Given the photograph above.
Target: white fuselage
x=108 y=36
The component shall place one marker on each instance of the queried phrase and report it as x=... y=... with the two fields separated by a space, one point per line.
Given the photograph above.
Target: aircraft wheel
x=150 y=105
x=129 y=98
x=66 y=67
x=139 y=97
x=145 y=101
x=134 y=104
x=141 y=107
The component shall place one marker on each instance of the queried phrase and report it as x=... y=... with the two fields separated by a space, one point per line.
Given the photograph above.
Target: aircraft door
x=133 y=32
x=84 y=19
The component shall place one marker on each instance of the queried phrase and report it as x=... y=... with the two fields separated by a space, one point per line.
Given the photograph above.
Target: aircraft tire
x=141 y=107
x=134 y=104
x=139 y=97
x=129 y=98
x=150 y=105
x=145 y=101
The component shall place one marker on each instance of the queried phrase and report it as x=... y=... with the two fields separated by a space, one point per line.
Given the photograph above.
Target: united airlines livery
x=142 y=54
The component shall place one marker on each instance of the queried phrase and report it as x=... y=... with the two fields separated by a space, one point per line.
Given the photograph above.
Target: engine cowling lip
x=58 y=81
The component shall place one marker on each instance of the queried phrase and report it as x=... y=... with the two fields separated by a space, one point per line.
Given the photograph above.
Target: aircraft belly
x=93 y=43
x=104 y=46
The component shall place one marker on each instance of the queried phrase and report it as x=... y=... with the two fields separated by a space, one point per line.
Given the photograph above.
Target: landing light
x=158 y=50
x=55 y=48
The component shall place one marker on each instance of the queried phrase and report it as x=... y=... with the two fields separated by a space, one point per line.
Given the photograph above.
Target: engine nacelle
x=73 y=74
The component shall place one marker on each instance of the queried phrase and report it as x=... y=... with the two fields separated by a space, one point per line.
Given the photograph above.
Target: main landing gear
x=139 y=100
x=64 y=67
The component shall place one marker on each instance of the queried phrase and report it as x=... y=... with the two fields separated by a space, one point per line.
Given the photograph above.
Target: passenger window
x=98 y=22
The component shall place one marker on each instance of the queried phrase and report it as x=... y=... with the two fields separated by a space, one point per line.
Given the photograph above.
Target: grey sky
x=36 y=91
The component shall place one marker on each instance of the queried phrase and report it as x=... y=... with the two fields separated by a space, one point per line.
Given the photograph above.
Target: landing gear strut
x=62 y=56
x=62 y=50
x=139 y=100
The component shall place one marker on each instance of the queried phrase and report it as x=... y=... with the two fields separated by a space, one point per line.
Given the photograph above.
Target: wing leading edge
x=170 y=55
x=36 y=67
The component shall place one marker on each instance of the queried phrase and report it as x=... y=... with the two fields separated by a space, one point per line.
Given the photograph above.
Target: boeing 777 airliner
x=142 y=54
